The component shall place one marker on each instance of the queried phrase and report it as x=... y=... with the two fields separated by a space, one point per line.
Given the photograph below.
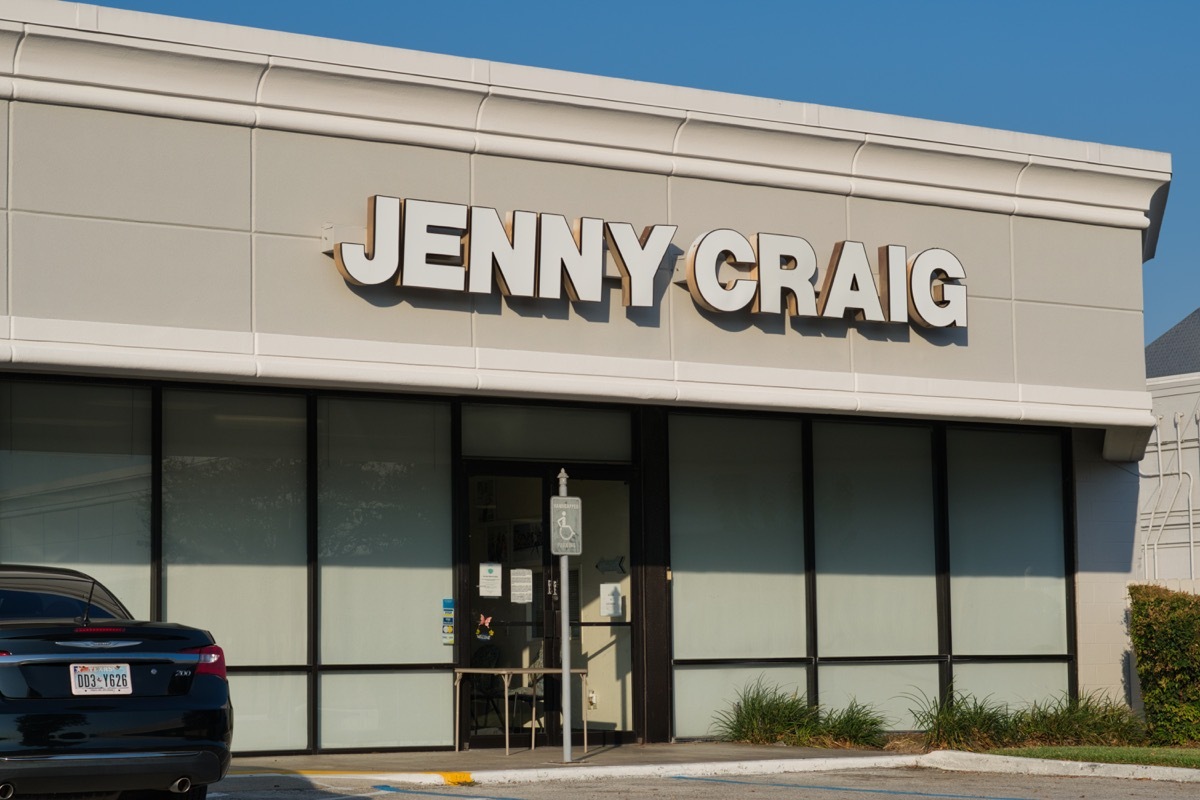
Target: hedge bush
x=1165 y=629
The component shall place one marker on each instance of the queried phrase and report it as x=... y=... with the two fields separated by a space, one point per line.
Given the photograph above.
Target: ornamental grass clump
x=1092 y=720
x=962 y=722
x=764 y=714
x=856 y=725
x=767 y=714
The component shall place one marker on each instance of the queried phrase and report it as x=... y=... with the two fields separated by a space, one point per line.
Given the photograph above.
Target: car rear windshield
x=54 y=597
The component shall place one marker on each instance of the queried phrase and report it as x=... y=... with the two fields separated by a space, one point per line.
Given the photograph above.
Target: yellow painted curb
x=456 y=778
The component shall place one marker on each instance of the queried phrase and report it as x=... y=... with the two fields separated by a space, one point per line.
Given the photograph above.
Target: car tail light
x=91 y=629
x=212 y=660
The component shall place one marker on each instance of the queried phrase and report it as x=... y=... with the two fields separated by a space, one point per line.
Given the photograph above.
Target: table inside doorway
x=505 y=674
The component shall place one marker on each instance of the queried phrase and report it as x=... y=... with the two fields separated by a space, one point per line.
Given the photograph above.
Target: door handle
x=552 y=588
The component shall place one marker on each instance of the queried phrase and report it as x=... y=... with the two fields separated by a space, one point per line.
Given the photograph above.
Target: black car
x=93 y=701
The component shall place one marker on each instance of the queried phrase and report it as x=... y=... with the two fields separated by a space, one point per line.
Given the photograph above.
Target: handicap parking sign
x=566 y=526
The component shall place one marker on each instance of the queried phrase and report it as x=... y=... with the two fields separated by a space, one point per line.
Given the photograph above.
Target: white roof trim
x=74 y=54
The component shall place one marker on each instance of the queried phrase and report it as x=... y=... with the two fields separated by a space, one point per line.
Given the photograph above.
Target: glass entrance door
x=514 y=595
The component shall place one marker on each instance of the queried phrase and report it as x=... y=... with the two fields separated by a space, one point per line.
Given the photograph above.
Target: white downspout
x=1180 y=430
x=1154 y=506
x=1191 y=533
x=1162 y=527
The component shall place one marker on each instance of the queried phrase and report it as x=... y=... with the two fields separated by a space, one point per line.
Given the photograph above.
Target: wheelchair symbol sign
x=566 y=526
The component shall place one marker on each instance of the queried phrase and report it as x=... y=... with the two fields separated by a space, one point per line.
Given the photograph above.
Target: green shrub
x=962 y=722
x=1165 y=629
x=1092 y=720
x=856 y=725
x=767 y=714
x=965 y=722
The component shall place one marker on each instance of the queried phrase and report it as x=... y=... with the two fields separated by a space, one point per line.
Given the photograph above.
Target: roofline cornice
x=80 y=55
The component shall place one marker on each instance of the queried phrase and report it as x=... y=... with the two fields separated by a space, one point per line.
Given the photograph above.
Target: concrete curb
x=978 y=762
x=568 y=772
x=944 y=759
x=697 y=770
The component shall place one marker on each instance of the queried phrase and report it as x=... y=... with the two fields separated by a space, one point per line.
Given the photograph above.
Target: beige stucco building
x=879 y=448
x=1169 y=497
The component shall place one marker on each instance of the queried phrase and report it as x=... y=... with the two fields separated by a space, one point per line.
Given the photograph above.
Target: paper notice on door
x=611 y=604
x=491 y=583
x=521 y=583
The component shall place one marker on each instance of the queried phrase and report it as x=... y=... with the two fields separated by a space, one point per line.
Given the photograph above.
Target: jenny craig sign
x=456 y=248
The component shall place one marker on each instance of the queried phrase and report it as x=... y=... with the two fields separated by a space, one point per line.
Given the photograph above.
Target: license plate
x=101 y=679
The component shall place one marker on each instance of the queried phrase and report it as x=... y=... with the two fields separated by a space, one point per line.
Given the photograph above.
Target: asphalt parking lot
x=875 y=784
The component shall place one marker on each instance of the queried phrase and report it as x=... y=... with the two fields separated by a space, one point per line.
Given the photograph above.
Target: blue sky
x=1124 y=73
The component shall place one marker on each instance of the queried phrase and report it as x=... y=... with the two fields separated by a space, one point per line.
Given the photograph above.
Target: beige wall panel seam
x=370 y=130
x=1012 y=290
x=368 y=352
x=8 y=219
x=108 y=334
x=1022 y=301
x=151 y=223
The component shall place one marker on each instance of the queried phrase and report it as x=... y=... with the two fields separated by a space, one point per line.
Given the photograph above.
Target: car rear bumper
x=101 y=772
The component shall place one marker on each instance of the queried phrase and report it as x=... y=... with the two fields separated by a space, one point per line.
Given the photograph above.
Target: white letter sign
x=376 y=261
x=456 y=248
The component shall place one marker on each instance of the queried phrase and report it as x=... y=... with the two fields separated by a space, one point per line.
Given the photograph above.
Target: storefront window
x=271 y=711
x=545 y=432
x=737 y=560
x=1013 y=683
x=1007 y=573
x=75 y=477
x=894 y=690
x=737 y=538
x=708 y=690
x=876 y=589
x=384 y=531
x=387 y=709
x=234 y=523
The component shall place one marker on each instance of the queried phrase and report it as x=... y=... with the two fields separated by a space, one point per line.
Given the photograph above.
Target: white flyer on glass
x=521 y=583
x=491 y=583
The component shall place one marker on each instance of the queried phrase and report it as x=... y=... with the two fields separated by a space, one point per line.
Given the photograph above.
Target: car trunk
x=101 y=663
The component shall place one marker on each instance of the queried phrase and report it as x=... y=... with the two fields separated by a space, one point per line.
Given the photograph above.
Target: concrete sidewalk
x=488 y=766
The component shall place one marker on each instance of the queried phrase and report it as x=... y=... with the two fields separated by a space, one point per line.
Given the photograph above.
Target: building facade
x=1169 y=497
x=299 y=333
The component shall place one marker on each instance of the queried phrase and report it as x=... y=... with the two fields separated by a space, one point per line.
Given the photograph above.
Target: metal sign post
x=566 y=539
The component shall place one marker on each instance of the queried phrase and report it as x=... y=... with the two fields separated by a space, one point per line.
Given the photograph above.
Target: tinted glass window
x=42 y=605
x=55 y=597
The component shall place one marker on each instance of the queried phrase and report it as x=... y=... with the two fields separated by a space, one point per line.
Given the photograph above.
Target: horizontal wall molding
x=283 y=360
x=144 y=64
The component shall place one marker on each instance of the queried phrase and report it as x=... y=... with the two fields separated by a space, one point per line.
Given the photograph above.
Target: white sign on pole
x=566 y=526
x=566 y=539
